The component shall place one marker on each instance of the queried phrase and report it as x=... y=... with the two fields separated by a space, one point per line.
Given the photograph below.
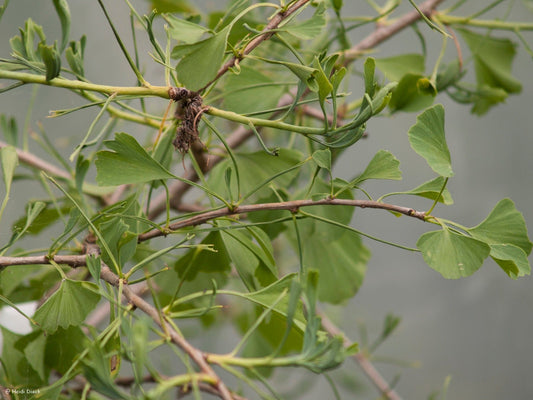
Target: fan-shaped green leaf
x=427 y=138
x=512 y=259
x=504 y=225
x=69 y=305
x=382 y=166
x=128 y=163
x=452 y=255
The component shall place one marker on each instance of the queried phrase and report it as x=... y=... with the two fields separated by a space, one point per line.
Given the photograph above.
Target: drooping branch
x=292 y=206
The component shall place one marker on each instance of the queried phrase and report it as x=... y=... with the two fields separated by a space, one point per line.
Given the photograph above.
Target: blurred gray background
x=476 y=330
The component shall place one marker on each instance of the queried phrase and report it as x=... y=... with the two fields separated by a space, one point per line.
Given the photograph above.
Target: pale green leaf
x=185 y=31
x=128 y=163
x=251 y=91
x=322 y=158
x=255 y=168
x=428 y=139
x=63 y=12
x=268 y=295
x=493 y=58
x=199 y=67
x=382 y=166
x=512 y=259
x=69 y=305
x=341 y=262
x=452 y=255
x=310 y=28
x=253 y=265
x=9 y=159
x=430 y=190
x=394 y=68
x=504 y=225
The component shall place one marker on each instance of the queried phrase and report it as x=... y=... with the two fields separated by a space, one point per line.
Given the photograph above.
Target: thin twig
x=384 y=32
x=368 y=368
x=266 y=34
x=196 y=355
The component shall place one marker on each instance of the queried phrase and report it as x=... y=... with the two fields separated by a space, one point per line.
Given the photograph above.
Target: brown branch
x=292 y=206
x=73 y=261
x=384 y=32
x=368 y=368
x=265 y=34
x=196 y=355
x=38 y=163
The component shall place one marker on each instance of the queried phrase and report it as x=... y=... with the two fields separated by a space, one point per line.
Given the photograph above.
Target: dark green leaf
x=63 y=347
x=20 y=373
x=98 y=373
x=427 y=138
x=451 y=254
x=412 y=94
x=69 y=305
x=504 y=225
x=129 y=163
x=33 y=347
x=173 y=6
x=51 y=59
x=63 y=12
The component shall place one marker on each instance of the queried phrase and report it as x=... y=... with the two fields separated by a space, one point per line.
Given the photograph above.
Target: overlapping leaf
x=128 y=163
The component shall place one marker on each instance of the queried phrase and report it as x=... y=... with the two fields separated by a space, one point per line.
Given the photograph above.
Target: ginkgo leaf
x=452 y=255
x=504 y=225
x=69 y=305
x=382 y=166
x=128 y=163
x=427 y=138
